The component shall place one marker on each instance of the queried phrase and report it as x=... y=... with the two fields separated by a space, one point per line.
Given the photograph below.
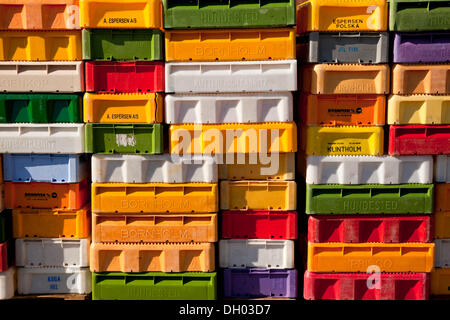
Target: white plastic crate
x=442 y=253
x=7 y=283
x=54 y=76
x=53 y=280
x=229 y=108
x=256 y=253
x=42 y=138
x=442 y=169
x=236 y=76
x=164 y=168
x=369 y=169
x=52 y=252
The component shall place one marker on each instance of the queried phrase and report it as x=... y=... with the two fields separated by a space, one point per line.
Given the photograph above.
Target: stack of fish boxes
x=232 y=100
x=46 y=174
x=357 y=248
x=419 y=109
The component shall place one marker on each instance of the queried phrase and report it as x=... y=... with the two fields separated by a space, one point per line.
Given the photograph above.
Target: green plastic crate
x=154 y=286
x=369 y=199
x=419 y=15
x=40 y=108
x=111 y=138
x=5 y=225
x=185 y=14
x=140 y=45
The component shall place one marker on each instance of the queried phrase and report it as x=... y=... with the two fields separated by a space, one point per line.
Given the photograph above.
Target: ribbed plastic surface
x=418 y=109
x=256 y=253
x=369 y=169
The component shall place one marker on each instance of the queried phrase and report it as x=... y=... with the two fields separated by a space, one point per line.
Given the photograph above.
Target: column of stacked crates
x=419 y=108
x=231 y=68
x=45 y=172
x=369 y=224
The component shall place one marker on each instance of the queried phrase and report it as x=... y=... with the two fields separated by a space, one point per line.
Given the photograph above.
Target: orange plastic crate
x=421 y=79
x=442 y=195
x=441 y=224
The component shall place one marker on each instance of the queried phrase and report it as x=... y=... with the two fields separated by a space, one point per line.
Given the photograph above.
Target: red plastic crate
x=259 y=224
x=419 y=139
x=124 y=76
x=353 y=286
x=6 y=255
x=385 y=229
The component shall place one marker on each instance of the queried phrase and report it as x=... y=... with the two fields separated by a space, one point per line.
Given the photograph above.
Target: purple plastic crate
x=257 y=282
x=422 y=47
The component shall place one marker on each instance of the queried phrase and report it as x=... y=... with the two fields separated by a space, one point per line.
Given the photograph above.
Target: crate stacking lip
x=211 y=14
x=344 y=47
x=137 y=138
x=345 y=79
x=369 y=169
x=67 y=138
x=256 y=224
x=46 y=195
x=442 y=169
x=55 y=168
x=154 y=286
x=126 y=14
x=345 y=140
x=230 y=44
x=358 y=257
x=369 y=199
x=40 y=45
x=228 y=108
x=258 y=195
x=5 y=225
x=155 y=228
x=51 y=223
x=124 y=76
x=40 y=108
x=114 y=44
x=260 y=282
x=418 y=109
x=154 y=198
x=231 y=76
x=334 y=15
x=419 y=140
x=52 y=252
x=342 y=110
x=353 y=286
x=420 y=79
x=384 y=229
x=158 y=257
x=123 y=108
x=7 y=283
x=440 y=281
x=232 y=138
x=419 y=15
x=26 y=76
x=40 y=14
x=164 y=168
x=53 y=280
x=431 y=47
x=256 y=253
x=282 y=167
x=6 y=255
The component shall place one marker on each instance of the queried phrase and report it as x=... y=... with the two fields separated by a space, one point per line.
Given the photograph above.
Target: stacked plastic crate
x=418 y=110
x=232 y=99
x=357 y=247
x=45 y=172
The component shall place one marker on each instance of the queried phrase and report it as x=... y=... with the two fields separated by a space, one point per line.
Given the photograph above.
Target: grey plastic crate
x=344 y=47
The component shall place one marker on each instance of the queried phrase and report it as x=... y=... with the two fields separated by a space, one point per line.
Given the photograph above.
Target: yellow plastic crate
x=230 y=45
x=123 y=108
x=40 y=45
x=418 y=109
x=440 y=281
x=357 y=257
x=339 y=15
x=230 y=138
x=258 y=195
x=109 y=14
x=153 y=198
x=342 y=140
